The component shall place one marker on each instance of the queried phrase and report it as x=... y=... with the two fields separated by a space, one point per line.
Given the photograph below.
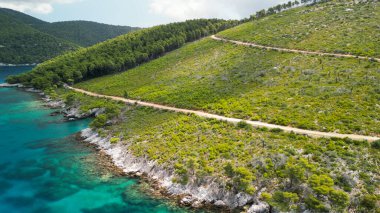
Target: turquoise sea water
x=44 y=169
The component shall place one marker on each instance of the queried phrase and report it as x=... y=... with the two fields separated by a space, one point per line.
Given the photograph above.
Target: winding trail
x=315 y=134
x=248 y=44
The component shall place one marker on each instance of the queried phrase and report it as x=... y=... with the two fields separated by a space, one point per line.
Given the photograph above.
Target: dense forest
x=20 y=43
x=85 y=33
x=119 y=54
x=25 y=39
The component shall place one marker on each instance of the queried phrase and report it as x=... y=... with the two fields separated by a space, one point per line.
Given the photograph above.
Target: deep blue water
x=44 y=169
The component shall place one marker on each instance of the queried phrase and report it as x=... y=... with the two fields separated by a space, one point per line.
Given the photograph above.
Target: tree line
x=119 y=54
x=281 y=7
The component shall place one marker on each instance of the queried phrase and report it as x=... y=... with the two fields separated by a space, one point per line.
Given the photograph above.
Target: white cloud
x=36 y=6
x=180 y=10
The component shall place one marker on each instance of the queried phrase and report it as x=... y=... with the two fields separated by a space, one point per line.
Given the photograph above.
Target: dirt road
x=293 y=50
x=315 y=134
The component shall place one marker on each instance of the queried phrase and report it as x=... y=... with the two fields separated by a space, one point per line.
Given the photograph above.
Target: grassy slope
x=307 y=91
x=310 y=92
x=201 y=148
x=329 y=27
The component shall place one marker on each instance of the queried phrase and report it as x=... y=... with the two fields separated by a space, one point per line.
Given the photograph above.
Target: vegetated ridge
x=313 y=92
x=21 y=44
x=85 y=33
x=332 y=27
x=25 y=39
x=119 y=54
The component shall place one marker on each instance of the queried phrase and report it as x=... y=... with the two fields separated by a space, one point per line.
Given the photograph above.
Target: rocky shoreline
x=70 y=113
x=209 y=194
x=17 y=65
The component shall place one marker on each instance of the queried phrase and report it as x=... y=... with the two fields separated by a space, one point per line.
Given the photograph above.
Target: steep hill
x=305 y=91
x=22 y=17
x=119 y=54
x=338 y=27
x=20 y=43
x=30 y=40
x=309 y=92
x=85 y=33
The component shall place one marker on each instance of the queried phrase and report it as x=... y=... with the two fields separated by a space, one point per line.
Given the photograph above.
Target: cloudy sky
x=142 y=13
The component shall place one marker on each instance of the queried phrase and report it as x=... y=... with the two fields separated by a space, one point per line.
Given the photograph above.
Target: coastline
x=17 y=65
x=209 y=195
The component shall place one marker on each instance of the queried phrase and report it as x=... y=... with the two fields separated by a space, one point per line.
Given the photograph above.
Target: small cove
x=43 y=168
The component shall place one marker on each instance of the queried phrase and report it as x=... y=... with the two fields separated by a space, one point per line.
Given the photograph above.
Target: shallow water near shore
x=43 y=168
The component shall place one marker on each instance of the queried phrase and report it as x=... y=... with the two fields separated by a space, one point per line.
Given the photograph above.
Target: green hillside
x=289 y=172
x=21 y=17
x=21 y=44
x=25 y=39
x=85 y=33
x=309 y=92
x=335 y=26
x=119 y=54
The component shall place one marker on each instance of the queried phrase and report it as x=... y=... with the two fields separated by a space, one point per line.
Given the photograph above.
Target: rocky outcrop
x=259 y=208
x=196 y=195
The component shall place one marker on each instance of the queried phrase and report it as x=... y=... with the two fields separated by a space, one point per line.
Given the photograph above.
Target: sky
x=139 y=13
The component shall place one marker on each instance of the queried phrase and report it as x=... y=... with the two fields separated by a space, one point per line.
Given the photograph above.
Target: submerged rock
x=55 y=190
x=109 y=208
x=24 y=173
x=20 y=201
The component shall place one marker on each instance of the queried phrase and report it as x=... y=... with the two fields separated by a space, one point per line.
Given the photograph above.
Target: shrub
x=70 y=99
x=284 y=200
x=339 y=199
x=314 y=204
x=99 y=121
x=244 y=125
x=266 y=196
x=376 y=144
x=321 y=184
x=126 y=95
x=369 y=202
x=276 y=130
x=114 y=140
x=243 y=179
